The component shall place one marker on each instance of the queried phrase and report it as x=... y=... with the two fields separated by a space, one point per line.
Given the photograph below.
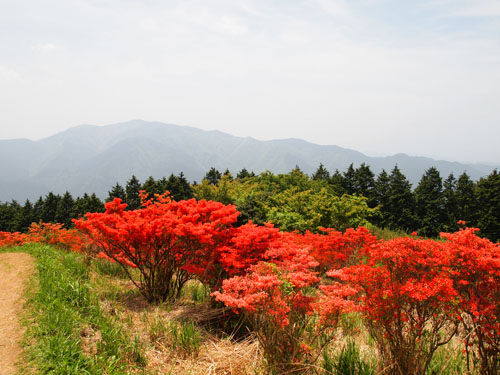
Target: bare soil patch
x=15 y=269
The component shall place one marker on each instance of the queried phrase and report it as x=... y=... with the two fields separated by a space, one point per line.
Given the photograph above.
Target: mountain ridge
x=90 y=158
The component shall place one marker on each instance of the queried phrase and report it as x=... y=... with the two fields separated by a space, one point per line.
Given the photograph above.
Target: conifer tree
x=152 y=187
x=64 y=211
x=8 y=213
x=37 y=210
x=132 y=189
x=400 y=206
x=213 y=176
x=430 y=203
x=450 y=204
x=364 y=183
x=243 y=174
x=337 y=183
x=466 y=200
x=228 y=174
x=24 y=217
x=321 y=173
x=349 y=180
x=488 y=198
x=178 y=187
x=382 y=186
x=49 y=208
x=95 y=204
x=117 y=192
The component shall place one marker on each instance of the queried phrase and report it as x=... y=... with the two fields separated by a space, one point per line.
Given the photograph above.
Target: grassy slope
x=67 y=333
x=91 y=320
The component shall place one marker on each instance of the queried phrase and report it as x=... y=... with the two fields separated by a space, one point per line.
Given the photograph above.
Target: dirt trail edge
x=15 y=270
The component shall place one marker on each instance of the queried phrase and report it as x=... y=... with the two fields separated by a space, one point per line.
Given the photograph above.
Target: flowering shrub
x=167 y=241
x=476 y=266
x=247 y=246
x=406 y=294
x=46 y=233
x=8 y=239
x=280 y=300
x=55 y=234
x=335 y=249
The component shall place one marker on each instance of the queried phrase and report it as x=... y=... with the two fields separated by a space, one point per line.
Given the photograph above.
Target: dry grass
x=153 y=325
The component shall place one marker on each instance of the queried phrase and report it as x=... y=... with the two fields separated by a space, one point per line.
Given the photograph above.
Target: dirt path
x=15 y=269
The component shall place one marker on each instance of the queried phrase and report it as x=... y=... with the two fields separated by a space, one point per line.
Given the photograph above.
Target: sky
x=420 y=77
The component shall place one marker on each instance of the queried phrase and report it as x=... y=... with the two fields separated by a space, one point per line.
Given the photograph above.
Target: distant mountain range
x=90 y=158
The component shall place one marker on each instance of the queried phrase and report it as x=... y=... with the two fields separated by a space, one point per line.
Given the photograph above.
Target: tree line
x=296 y=201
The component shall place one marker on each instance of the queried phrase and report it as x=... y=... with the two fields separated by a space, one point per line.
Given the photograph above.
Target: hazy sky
x=380 y=76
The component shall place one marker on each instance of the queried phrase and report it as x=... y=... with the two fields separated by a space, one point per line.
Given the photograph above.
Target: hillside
x=90 y=158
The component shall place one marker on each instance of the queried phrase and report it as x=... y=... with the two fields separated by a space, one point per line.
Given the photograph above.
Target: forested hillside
x=297 y=201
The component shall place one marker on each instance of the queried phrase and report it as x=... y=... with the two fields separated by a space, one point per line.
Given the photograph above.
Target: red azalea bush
x=46 y=233
x=167 y=241
x=406 y=295
x=247 y=246
x=280 y=300
x=56 y=235
x=335 y=249
x=476 y=266
x=8 y=239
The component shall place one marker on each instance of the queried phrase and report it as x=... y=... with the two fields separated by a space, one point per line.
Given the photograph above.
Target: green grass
x=196 y=292
x=386 y=233
x=348 y=362
x=108 y=268
x=185 y=336
x=67 y=333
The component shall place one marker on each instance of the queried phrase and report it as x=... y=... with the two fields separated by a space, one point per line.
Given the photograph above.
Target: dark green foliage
x=64 y=210
x=400 y=208
x=364 y=184
x=430 y=203
x=132 y=190
x=152 y=187
x=488 y=198
x=213 y=176
x=9 y=216
x=49 y=208
x=24 y=217
x=465 y=195
x=244 y=174
x=87 y=203
x=117 y=192
x=321 y=173
x=382 y=185
x=349 y=182
x=450 y=204
x=178 y=186
x=37 y=210
x=337 y=183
